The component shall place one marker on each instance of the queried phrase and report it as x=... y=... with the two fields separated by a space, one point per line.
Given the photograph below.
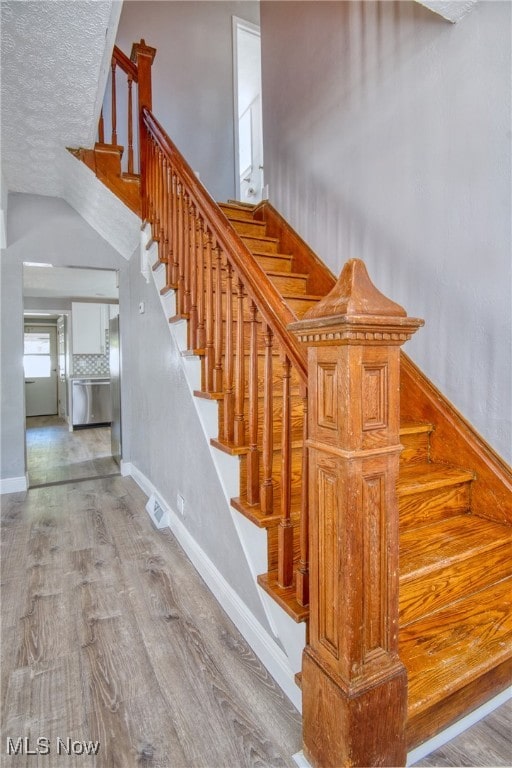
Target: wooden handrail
x=267 y=298
x=125 y=64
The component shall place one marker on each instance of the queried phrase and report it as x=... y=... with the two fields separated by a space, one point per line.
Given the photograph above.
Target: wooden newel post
x=354 y=686
x=142 y=56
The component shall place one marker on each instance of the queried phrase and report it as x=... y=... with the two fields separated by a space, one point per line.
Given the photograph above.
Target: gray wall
x=192 y=78
x=387 y=137
x=43 y=229
x=167 y=443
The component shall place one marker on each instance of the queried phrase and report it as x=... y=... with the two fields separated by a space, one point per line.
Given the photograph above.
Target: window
x=36 y=359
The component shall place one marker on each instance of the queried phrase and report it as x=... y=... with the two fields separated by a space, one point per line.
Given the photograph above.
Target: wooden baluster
x=210 y=345
x=267 y=485
x=351 y=662
x=187 y=228
x=181 y=250
x=150 y=171
x=101 y=128
x=130 y=126
x=228 y=359
x=143 y=178
x=114 y=105
x=302 y=584
x=192 y=324
x=200 y=335
x=158 y=198
x=168 y=222
x=217 y=319
x=239 y=434
x=253 y=457
x=174 y=219
x=285 y=530
x=165 y=217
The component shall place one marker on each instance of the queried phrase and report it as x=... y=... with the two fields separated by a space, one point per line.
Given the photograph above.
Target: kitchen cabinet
x=90 y=321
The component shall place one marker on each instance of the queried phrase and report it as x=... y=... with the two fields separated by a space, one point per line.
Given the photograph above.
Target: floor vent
x=157 y=511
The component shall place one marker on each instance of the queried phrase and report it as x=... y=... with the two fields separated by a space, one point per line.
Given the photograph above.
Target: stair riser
x=248 y=228
x=429 y=592
x=415 y=448
x=257 y=244
x=289 y=284
x=277 y=263
x=421 y=508
x=300 y=306
x=296 y=477
x=296 y=422
x=233 y=213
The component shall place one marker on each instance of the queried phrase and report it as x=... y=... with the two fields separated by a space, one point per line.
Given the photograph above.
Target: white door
x=40 y=363
x=248 y=118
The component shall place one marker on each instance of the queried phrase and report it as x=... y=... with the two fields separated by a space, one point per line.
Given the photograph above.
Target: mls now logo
x=22 y=746
x=42 y=746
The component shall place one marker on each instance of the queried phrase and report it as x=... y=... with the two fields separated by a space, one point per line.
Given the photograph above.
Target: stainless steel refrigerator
x=115 y=387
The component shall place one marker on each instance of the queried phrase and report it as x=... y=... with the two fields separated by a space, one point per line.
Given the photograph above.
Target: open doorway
x=248 y=113
x=67 y=314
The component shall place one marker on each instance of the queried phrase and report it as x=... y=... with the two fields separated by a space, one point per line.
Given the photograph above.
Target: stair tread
x=284 y=596
x=278 y=255
x=428 y=476
x=452 y=647
x=443 y=542
x=262 y=238
x=275 y=273
x=307 y=296
x=415 y=427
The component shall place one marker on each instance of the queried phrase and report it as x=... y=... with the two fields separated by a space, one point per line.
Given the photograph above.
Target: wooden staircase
x=243 y=280
x=455 y=633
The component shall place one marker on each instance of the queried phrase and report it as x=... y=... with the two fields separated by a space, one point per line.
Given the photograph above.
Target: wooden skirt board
x=109 y=635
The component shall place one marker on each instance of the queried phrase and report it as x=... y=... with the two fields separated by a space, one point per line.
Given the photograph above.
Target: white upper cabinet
x=90 y=322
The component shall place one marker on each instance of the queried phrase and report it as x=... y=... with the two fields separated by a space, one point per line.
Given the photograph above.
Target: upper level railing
x=118 y=123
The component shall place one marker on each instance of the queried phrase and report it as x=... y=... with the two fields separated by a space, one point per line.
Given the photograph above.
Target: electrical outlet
x=181 y=504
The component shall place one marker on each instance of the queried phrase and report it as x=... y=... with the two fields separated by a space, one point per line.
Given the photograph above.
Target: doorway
x=59 y=447
x=248 y=112
x=40 y=366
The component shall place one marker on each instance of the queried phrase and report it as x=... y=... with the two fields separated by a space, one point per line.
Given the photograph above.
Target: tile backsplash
x=92 y=365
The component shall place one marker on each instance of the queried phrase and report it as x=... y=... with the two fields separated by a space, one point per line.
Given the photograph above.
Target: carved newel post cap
x=355 y=310
x=142 y=48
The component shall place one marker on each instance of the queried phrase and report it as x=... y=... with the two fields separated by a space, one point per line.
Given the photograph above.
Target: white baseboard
x=263 y=645
x=442 y=738
x=13 y=484
x=459 y=727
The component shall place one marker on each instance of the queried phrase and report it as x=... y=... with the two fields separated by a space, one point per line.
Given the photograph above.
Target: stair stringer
x=289 y=637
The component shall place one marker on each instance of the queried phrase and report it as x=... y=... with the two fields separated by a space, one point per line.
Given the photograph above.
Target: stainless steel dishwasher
x=91 y=402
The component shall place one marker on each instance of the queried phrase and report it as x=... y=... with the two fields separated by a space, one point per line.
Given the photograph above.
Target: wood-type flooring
x=109 y=635
x=56 y=455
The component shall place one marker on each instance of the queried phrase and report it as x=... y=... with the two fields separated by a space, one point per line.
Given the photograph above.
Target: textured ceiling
x=453 y=10
x=52 y=55
x=55 y=60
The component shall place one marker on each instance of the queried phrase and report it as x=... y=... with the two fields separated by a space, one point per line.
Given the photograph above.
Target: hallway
x=56 y=455
x=109 y=634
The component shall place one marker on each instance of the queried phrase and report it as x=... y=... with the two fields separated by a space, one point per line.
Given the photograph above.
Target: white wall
x=387 y=137
x=44 y=229
x=192 y=78
x=167 y=443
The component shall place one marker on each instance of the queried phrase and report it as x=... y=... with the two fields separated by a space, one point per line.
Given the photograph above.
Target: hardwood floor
x=109 y=635
x=56 y=455
x=487 y=743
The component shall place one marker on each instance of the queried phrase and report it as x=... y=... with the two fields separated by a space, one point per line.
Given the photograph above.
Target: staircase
x=242 y=279
x=455 y=634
